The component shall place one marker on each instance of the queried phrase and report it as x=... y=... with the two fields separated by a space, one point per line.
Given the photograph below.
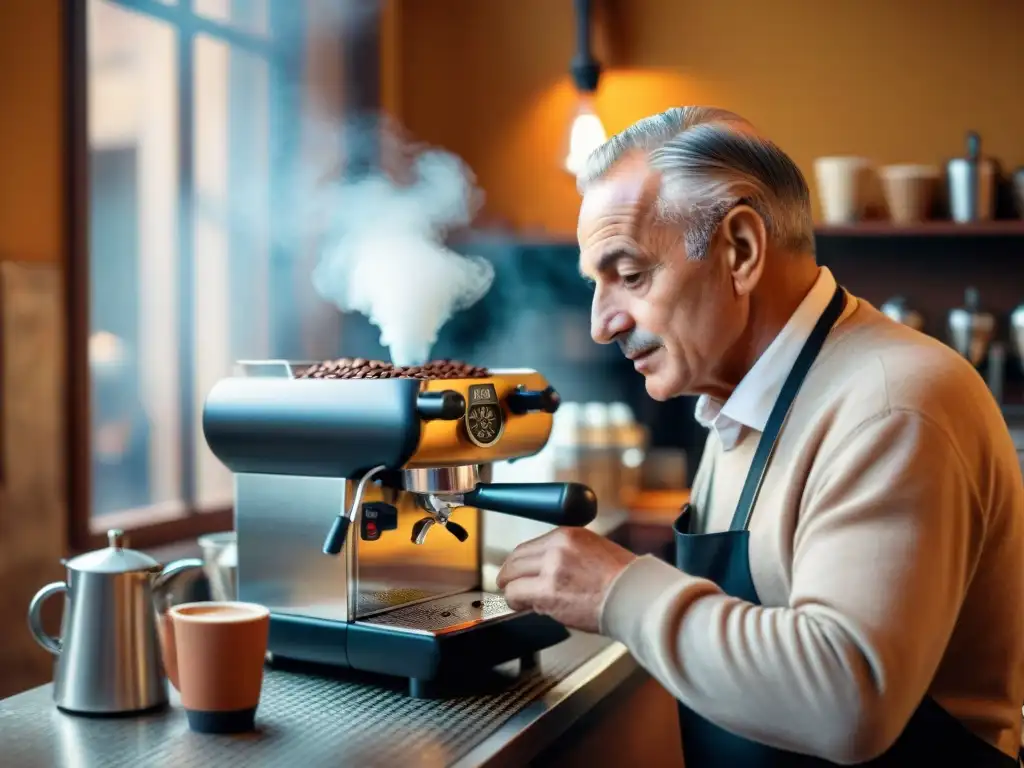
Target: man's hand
x=564 y=574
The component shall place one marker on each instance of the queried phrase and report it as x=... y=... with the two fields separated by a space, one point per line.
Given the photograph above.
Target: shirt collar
x=750 y=404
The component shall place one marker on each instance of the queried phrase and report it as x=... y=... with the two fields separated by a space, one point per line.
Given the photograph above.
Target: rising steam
x=385 y=254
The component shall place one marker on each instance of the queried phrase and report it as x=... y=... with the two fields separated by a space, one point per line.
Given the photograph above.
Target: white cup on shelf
x=842 y=188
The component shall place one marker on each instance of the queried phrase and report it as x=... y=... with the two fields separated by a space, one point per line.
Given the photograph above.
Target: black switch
x=377 y=517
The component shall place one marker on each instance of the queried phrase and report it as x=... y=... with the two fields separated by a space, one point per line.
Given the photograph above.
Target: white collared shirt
x=750 y=404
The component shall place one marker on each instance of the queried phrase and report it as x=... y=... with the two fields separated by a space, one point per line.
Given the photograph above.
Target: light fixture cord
x=585 y=69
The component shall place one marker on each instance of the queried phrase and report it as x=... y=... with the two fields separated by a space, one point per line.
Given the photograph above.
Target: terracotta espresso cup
x=213 y=653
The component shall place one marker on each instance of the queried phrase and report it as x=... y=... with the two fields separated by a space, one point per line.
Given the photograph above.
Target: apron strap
x=795 y=379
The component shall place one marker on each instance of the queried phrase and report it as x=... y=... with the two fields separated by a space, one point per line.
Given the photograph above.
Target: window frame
x=284 y=48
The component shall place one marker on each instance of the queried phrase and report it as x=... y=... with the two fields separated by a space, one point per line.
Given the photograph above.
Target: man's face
x=676 y=318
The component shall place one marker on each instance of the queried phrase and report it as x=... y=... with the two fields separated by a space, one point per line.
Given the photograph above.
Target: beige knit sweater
x=887 y=549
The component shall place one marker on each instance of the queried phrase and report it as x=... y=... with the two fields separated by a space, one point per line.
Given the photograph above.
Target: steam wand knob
x=448 y=405
x=524 y=400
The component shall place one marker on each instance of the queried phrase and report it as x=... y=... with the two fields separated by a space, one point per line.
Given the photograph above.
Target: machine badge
x=484 y=423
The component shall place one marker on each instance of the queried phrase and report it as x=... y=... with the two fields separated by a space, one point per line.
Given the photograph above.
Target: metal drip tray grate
x=388 y=598
x=446 y=614
x=303 y=719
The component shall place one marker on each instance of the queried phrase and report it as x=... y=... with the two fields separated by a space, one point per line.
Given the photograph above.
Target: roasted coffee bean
x=361 y=368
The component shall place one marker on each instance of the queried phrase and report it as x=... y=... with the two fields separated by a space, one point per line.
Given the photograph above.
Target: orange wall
x=896 y=81
x=31 y=205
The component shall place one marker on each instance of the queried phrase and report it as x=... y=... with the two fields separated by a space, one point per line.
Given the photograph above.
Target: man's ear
x=744 y=237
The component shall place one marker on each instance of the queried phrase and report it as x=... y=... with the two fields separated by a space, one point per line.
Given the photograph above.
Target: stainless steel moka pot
x=108 y=651
x=971 y=329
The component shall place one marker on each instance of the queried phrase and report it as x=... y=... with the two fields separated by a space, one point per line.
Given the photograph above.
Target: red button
x=371 y=529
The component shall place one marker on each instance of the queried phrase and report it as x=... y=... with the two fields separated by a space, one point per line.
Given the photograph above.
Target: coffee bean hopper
x=362 y=502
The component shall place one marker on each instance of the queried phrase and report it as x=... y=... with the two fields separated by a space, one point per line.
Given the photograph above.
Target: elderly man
x=849 y=580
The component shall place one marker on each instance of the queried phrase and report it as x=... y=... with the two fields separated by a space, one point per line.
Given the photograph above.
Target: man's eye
x=632 y=280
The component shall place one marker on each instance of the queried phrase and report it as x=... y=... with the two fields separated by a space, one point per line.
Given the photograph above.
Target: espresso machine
x=362 y=506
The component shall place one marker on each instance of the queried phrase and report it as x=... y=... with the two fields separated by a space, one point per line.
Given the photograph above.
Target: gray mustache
x=637 y=342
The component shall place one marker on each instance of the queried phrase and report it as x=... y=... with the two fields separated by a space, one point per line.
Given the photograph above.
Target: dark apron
x=932 y=733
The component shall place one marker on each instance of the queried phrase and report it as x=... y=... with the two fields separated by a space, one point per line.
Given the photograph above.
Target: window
x=183 y=122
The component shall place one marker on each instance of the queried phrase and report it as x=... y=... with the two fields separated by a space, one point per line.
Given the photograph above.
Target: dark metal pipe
x=585 y=70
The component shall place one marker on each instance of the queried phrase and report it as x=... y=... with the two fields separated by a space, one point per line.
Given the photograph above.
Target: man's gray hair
x=710 y=159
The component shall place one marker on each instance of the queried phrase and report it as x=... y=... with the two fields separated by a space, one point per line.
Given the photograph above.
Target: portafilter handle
x=565 y=504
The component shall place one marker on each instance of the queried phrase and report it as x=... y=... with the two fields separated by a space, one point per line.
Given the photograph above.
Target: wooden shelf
x=1007 y=228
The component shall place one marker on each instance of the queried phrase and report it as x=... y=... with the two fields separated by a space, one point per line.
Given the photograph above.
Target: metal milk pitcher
x=108 y=652
x=899 y=310
x=971 y=329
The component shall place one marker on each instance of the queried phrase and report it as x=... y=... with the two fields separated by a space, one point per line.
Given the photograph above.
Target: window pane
x=232 y=237
x=245 y=15
x=133 y=333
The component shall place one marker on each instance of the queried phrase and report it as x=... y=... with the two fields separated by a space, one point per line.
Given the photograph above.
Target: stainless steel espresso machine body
x=358 y=513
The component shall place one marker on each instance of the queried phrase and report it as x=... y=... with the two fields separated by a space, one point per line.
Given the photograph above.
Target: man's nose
x=606 y=325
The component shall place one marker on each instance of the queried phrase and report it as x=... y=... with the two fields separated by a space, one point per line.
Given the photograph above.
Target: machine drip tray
x=438 y=646
x=475 y=682
x=444 y=615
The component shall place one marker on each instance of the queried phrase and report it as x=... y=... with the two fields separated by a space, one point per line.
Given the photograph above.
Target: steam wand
x=339 y=530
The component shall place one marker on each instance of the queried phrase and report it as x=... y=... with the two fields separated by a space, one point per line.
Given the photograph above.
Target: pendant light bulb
x=586 y=133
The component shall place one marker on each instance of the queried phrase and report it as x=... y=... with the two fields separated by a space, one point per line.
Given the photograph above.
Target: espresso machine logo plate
x=483 y=415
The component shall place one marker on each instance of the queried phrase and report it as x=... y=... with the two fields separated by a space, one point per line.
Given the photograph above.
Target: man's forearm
x=796 y=680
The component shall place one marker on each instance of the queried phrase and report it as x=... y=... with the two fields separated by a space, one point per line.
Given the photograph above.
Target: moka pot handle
x=35 y=620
